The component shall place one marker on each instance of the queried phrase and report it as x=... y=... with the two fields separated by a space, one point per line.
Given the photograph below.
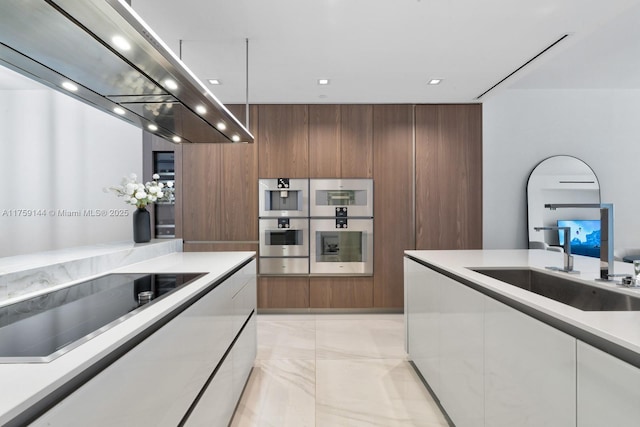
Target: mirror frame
x=566 y=182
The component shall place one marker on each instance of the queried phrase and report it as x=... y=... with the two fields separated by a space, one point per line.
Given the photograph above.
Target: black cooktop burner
x=44 y=327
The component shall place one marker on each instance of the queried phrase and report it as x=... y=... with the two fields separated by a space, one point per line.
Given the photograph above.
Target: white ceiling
x=385 y=51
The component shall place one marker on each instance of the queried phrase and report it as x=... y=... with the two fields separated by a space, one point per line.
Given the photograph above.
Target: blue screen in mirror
x=585 y=236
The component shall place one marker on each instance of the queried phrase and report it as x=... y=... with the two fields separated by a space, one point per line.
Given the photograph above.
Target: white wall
x=57 y=154
x=523 y=127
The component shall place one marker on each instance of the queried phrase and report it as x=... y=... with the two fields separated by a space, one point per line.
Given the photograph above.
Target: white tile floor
x=329 y=370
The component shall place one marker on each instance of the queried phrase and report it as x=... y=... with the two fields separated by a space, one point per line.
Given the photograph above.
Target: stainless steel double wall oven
x=284 y=226
x=316 y=226
x=341 y=226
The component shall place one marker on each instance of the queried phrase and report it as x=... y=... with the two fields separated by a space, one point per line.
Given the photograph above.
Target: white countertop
x=619 y=327
x=25 y=384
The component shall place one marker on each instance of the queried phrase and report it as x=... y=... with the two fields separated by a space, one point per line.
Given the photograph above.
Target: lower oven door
x=284 y=237
x=283 y=266
x=341 y=248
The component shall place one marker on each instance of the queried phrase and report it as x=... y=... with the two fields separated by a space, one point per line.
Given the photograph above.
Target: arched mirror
x=559 y=179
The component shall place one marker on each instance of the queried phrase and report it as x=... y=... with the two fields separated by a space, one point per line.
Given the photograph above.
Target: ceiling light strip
x=522 y=66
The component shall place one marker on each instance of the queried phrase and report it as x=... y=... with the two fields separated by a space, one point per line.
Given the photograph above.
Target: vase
x=141 y=225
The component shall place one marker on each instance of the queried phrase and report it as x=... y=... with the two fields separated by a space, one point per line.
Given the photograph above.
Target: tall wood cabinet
x=341 y=146
x=283 y=131
x=220 y=193
x=393 y=200
x=449 y=176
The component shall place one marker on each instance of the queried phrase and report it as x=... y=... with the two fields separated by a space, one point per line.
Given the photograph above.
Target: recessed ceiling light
x=170 y=84
x=435 y=81
x=323 y=81
x=221 y=126
x=152 y=127
x=176 y=139
x=235 y=138
x=215 y=82
x=200 y=109
x=69 y=86
x=119 y=110
x=121 y=43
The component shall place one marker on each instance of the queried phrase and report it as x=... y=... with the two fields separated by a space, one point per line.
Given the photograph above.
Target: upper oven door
x=354 y=194
x=284 y=237
x=280 y=197
x=344 y=249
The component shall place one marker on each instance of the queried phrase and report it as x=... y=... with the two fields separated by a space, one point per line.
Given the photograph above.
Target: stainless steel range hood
x=114 y=60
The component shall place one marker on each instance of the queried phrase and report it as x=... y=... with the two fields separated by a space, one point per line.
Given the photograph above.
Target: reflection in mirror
x=559 y=179
x=57 y=155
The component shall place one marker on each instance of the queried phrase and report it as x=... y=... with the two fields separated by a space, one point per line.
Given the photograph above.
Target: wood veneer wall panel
x=356 y=135
x=393 y=200
x=449 y=176
x=284 y=141
x=283 y=292
x=341 y=292
x=239 y=185
x=201 y=192
x=324 y=141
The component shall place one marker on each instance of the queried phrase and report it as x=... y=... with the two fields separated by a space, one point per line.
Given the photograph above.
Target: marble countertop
x=26 y=274
x=621 y=328
x=25 y=384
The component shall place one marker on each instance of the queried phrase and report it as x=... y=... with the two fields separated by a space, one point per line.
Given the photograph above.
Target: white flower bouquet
x=140 y=195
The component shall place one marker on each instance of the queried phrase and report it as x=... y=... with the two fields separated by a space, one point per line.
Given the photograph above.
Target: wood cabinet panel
x=341 y=292
x=201 y=191
x=356 y=141
x=284 y=141
x=393 y=200
x=449 y=176
x=220 y=189
x=239 y=184
x=324 y=141
x=283 y=292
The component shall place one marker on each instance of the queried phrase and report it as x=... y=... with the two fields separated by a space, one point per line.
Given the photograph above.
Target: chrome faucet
x=568 y=258
x=606 y=233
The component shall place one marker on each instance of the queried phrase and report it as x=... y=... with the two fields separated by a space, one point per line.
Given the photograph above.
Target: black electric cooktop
x=44 y=327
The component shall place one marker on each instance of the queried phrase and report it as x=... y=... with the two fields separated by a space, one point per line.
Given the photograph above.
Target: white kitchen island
x=191 y=369
x=497 y=355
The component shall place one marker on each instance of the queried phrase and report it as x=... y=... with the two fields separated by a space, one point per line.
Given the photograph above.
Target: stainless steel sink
x=576 y=294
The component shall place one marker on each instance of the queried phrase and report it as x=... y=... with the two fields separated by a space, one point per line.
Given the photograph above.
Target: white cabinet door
x=423 y=321
x=445 y=335
x=244 y=296
x=461 y=352
x=215 y=407
x=530 y=375
x=608 y=390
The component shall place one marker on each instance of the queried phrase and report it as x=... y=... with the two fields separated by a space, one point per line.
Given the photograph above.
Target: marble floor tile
x=334 y=371
x=367 y=337
x=365 y=392
x=279 y=393
x=285 y=339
